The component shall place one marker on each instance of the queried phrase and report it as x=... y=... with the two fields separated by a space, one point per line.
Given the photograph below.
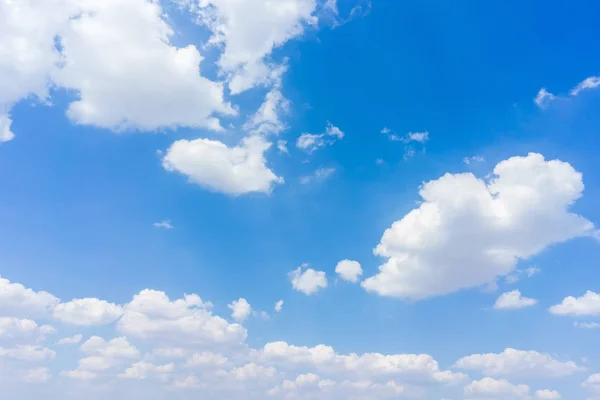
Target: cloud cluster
x=467 y=232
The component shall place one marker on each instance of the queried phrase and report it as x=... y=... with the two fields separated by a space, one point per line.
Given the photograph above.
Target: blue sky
x=416 y=181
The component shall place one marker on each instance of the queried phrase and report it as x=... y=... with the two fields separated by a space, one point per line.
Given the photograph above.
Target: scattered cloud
x=589 y=83
x=282 y=146
x=349 y=270
x=516 y=275
x=70 y=340
x=230 y=170
x=473 y=159
x=490 y=387
x=166 y=224
x=547 y=394
x=27 y=353
x=587 y=325
x=310 y=142
x=519 y=363
x=586 y=305
x=469 y=231
x=307 y=280
x=320 y=174
x=88 y=311
x=37 y=375
x=279 y=306
x=513 y=300
x=544 y=98
x=241 y=310
x=268 y=119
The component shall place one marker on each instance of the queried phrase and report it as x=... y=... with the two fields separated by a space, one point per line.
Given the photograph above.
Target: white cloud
x=249 y=31
x=166 y=224
x=324 y=358
x=267 y=120
x=37 y=375
x=115 y=348
x=588 y=304
x=589 y=83
x=188 y=382
x=205 y=359
x=547 y=394
x=282 y=146
x=468 y=231
x=320 y=174
x=171 y=352
x=587 y=325
x=512 y=300
x=592 y=382
x=5 y=133
x=516 y=275
x=79 y=374
x=118 y=57
x=95 y=363
x=253 y=371
x=473 y=159
x=70 y=340
x=543 y=98
x=420 y=137
x=16 y=299
x=11 y=327
x=307 y=280
x=89 y=311
x=143 y=369
x=518 y=363
x=231 y=170
x=279 y=306
x=241 y=310
x=27 y=353
x=151 y=315
x=349 y=270
x=500 y=388
x=310 y=142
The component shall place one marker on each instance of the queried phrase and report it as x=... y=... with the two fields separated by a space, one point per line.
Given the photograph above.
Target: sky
x=299 y=199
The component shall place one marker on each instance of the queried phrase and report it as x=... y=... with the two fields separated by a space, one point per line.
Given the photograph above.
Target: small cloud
x=320 y=174
x=420 y=137
x=386 y=131
x=473 y=159
x=513 y=300
x=307 y=280
x=310 y=142
x=589 y=83
x=166 y=224
x=279 y=306
x=587 y=325
x=543 y=98
x=409 y=152
x=379 y=161
x=282 y=146
x=516 y=275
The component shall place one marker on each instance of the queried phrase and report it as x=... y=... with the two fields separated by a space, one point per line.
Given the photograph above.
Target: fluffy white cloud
x=592 y=382
x=252 y=371
x=205 y=359
x=88 y=311
x=249 y=31
x=547 y=394
x=143 y=369
x=231 y=170
x=588 y=304
x=171 y=352
x=544 y=98
x=512 y=300
x=589 y=83
x=241 y=310
x=518 y=363
x=79 y=374
x=27 y=52
x=497 y=388
x=10 y=327
x=307 y=280
x=70 y=340
x=324 y=358
x=279 y=306
x=310 y=142
x=151 y=315
x=469 y=231
x=28 y=353
x=37 y=375
x=17 y=299
x=349 y=270
x=115 y=348
x=117 y=55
